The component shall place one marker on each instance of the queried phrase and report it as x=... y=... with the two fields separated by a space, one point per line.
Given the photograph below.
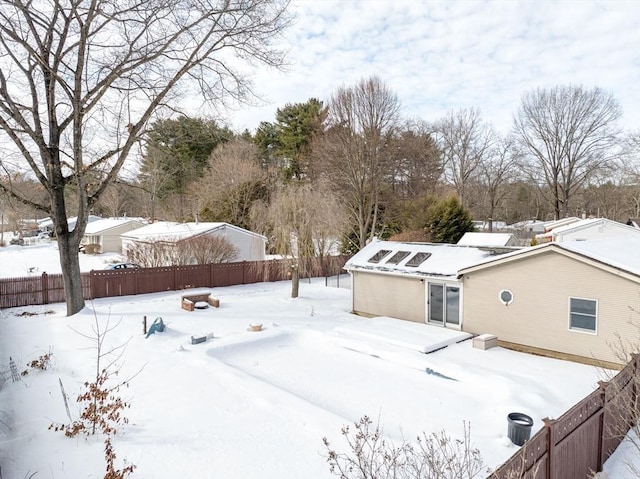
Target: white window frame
x=581 y=330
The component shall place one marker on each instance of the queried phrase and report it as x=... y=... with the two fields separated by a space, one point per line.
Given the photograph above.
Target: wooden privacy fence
x=582 y=439
x=49 y=288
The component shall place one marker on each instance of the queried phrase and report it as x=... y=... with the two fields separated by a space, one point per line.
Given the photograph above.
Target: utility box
x=485 y=341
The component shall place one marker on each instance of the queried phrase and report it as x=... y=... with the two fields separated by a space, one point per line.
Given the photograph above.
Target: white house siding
x=109 y=239
x=250 y=247
x=539 y=314
x=376 y=294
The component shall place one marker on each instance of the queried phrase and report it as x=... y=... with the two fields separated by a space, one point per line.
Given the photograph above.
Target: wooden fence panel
x=576 y=456
x=192 y=276
x=112 y=283
x=21 y=291
x=620 y=402
x=227 y=274
x=41 y=289
x=530 y=462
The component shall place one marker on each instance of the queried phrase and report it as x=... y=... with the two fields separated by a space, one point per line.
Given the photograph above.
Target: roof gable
x=613 y=254
x=106 y=224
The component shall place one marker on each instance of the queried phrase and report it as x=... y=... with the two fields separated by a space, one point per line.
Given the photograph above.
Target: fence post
x=45 y=288
x=548 y=423
x=635 y=379
x=602 y=385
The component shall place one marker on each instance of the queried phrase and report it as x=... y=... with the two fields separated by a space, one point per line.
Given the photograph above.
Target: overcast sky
x=440 y=56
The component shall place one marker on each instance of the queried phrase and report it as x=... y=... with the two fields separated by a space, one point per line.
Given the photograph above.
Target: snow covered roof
x=417 y=259
x=613 y=226
x=622 y=253
x=487 y=239
x=105 y=224
x=555 y=224
x=583 y=224
x=171 y=231
x=48 y=222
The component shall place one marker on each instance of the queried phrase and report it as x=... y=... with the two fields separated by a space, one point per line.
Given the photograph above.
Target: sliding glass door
x=444 y=305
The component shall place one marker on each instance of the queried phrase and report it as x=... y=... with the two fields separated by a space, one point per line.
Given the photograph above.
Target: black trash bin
x=519 y=427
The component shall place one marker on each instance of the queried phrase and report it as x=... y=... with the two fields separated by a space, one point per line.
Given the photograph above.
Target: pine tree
x=449 y=221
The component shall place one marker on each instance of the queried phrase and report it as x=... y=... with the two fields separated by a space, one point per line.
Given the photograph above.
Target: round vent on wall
x=506 y=297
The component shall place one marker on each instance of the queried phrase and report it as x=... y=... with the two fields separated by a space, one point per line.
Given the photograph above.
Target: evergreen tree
x=180 y=149
x=297 y=125
x=449 y=221
x=177 y=153
x=267 y=141
x=287 y=142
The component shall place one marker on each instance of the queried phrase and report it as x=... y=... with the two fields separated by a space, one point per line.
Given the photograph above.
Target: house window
x=418 y=259
x=399 y=256
x=583 y=314
x=379 y=255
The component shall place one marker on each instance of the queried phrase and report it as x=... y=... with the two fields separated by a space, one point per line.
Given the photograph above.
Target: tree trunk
x=71 y=277
x=295 y=281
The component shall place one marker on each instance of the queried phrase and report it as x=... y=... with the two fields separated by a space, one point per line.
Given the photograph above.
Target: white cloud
x=440 y=55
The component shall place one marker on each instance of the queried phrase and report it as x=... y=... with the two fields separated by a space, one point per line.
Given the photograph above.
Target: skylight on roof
x=399 y=256
x=417 y=259
x=379 y=255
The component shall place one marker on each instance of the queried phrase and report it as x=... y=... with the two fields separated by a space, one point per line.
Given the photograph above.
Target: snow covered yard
x=39 y=256
x=257 y=404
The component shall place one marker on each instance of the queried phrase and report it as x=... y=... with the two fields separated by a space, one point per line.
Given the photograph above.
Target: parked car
x=122 y=266
x=17 y=240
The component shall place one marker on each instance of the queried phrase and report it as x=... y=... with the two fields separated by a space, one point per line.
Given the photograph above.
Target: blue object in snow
x=157 y=325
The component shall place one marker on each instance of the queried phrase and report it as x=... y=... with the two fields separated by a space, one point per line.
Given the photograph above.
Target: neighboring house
x=106 y=233
x=488 y=239
x=494 y=225
x=411 y=281
x=530 y=226
x=251 y=246
x=592 y=228
x=570 y=297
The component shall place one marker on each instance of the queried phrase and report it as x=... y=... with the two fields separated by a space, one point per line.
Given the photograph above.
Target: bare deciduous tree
x=355 y=152
x=464 y=140
x=203 y=249
x=304 y=220
x=206 y=249
x=496 y=170
x=80 y=81
x=232 y=183
x=569 y=133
